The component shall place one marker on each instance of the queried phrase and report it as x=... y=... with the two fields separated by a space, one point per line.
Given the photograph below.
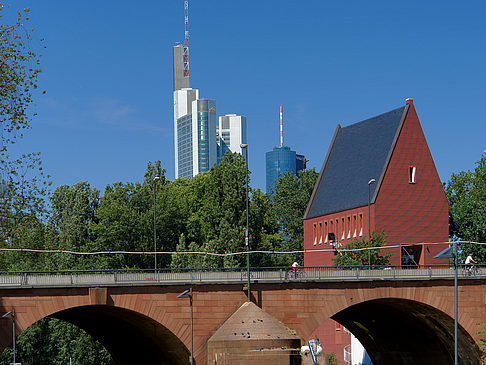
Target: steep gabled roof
x=358 y=153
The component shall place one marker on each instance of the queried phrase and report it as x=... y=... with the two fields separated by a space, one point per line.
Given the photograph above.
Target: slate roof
x=358 y=153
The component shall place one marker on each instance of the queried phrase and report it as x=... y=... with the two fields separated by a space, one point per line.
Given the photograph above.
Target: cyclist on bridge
x=469 y=262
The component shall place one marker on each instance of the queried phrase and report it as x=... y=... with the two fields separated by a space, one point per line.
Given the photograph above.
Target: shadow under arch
x=129 y=337
x=400 y=332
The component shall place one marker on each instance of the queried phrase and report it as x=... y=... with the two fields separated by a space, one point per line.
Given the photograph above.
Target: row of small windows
x=338 y=229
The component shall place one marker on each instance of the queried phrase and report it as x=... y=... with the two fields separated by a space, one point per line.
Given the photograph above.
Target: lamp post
x=449 y=254
x=11 y=314
x=245 y=147
x=188 y=294
x=371 y=182
x=156 y=178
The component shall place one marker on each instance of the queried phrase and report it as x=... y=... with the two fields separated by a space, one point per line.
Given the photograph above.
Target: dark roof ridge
x=374 y=117
x=392 y=148
x=319 y=177
x=356 y=154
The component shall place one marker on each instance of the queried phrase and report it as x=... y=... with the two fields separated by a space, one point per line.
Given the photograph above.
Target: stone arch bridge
x=400 y=316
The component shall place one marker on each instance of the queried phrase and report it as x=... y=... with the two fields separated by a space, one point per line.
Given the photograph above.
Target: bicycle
x=470 y=270
x=295 y=273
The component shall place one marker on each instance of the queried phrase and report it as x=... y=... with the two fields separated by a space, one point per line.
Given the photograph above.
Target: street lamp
x=371 y=182
x=188 y=294
x=448 y=254
x=156 y=178
x=245 y=147
x=11 y=314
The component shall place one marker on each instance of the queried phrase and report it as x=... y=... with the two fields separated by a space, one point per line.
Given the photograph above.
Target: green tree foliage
x=217 y=217
x=466 y=192
x=482 y=342
x=22 y=182
x=289 y=199
x=362 y=257
x=54 y=342
x=70 y=226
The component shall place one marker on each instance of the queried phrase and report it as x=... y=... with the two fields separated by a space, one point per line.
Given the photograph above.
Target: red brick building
x=407 y=200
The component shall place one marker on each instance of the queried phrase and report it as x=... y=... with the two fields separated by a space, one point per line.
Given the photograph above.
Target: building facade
x=279 y=161
x=204 y=146
x=383 y=163
x=183 y=132
x=230 y=134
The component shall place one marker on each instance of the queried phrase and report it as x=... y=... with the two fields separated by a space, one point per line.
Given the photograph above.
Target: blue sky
x=107 y=70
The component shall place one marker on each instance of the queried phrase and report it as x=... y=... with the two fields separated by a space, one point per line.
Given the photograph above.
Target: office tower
x=183 y=135
x=181 y=79
x=204 y=146
x=281 y=159
x=230 y=133
x=278 y=162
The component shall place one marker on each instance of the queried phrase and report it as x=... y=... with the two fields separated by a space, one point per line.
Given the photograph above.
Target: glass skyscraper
x=204 y=145
x=279 y=161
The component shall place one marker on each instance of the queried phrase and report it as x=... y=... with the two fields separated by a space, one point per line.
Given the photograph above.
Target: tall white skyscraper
x=183 y=136
x=231 y=133
x=199 y=141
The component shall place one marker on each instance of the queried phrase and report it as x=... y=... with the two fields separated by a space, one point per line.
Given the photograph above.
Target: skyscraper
x=198 y=142
x=183 y=131
x=278 y=162
x=281 y=159
x=181 y=81
x=231 y=133
x=204 y=146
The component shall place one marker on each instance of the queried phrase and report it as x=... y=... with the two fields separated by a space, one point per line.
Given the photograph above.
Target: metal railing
x=236 y=275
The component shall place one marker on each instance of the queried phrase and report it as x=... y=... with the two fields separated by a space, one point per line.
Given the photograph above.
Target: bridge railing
x=235 y=275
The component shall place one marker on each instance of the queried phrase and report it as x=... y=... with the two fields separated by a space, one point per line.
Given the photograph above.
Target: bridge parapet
x=236 y=276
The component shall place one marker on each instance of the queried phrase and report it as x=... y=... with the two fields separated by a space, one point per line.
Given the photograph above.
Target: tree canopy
x=466 y=193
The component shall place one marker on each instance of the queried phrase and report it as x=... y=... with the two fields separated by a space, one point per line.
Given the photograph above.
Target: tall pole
x=156 y=178
x=188 y=294
x=192 y=330
x=13 y=334
x=455 y=304
x=11 y=314
x=369 y=221
x=245 y=146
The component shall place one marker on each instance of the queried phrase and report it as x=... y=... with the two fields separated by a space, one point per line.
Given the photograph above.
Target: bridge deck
x=257 y=275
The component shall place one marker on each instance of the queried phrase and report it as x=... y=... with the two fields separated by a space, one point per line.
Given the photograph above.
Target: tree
x=217 y=218
x=70 y=226
x=361 y=257
x=22 y=182
x=288 y=202
x=466 y=193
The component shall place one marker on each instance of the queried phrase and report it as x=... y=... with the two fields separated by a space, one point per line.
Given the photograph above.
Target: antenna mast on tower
x=185 y=56
x=281 y=126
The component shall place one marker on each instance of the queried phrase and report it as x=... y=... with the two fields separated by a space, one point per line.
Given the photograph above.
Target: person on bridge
x=469 y=262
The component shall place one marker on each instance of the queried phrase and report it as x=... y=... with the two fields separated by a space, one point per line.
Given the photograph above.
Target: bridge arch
x=130 y=337
x=403 y=331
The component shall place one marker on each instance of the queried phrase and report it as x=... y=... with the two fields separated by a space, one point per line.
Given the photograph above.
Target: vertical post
x=192 y=330
x=13 y=334
x=188 y=294
x=245 y=146
x=156 y=178
x=369 y=221
x=11 y=314
x=455 y=304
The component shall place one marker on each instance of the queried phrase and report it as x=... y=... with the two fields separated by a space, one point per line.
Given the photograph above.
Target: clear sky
x=107 y=70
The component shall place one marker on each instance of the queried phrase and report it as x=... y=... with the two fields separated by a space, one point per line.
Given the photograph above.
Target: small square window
x=411 y=174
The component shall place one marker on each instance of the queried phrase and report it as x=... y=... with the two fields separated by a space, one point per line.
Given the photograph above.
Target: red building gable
x=407 y=200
